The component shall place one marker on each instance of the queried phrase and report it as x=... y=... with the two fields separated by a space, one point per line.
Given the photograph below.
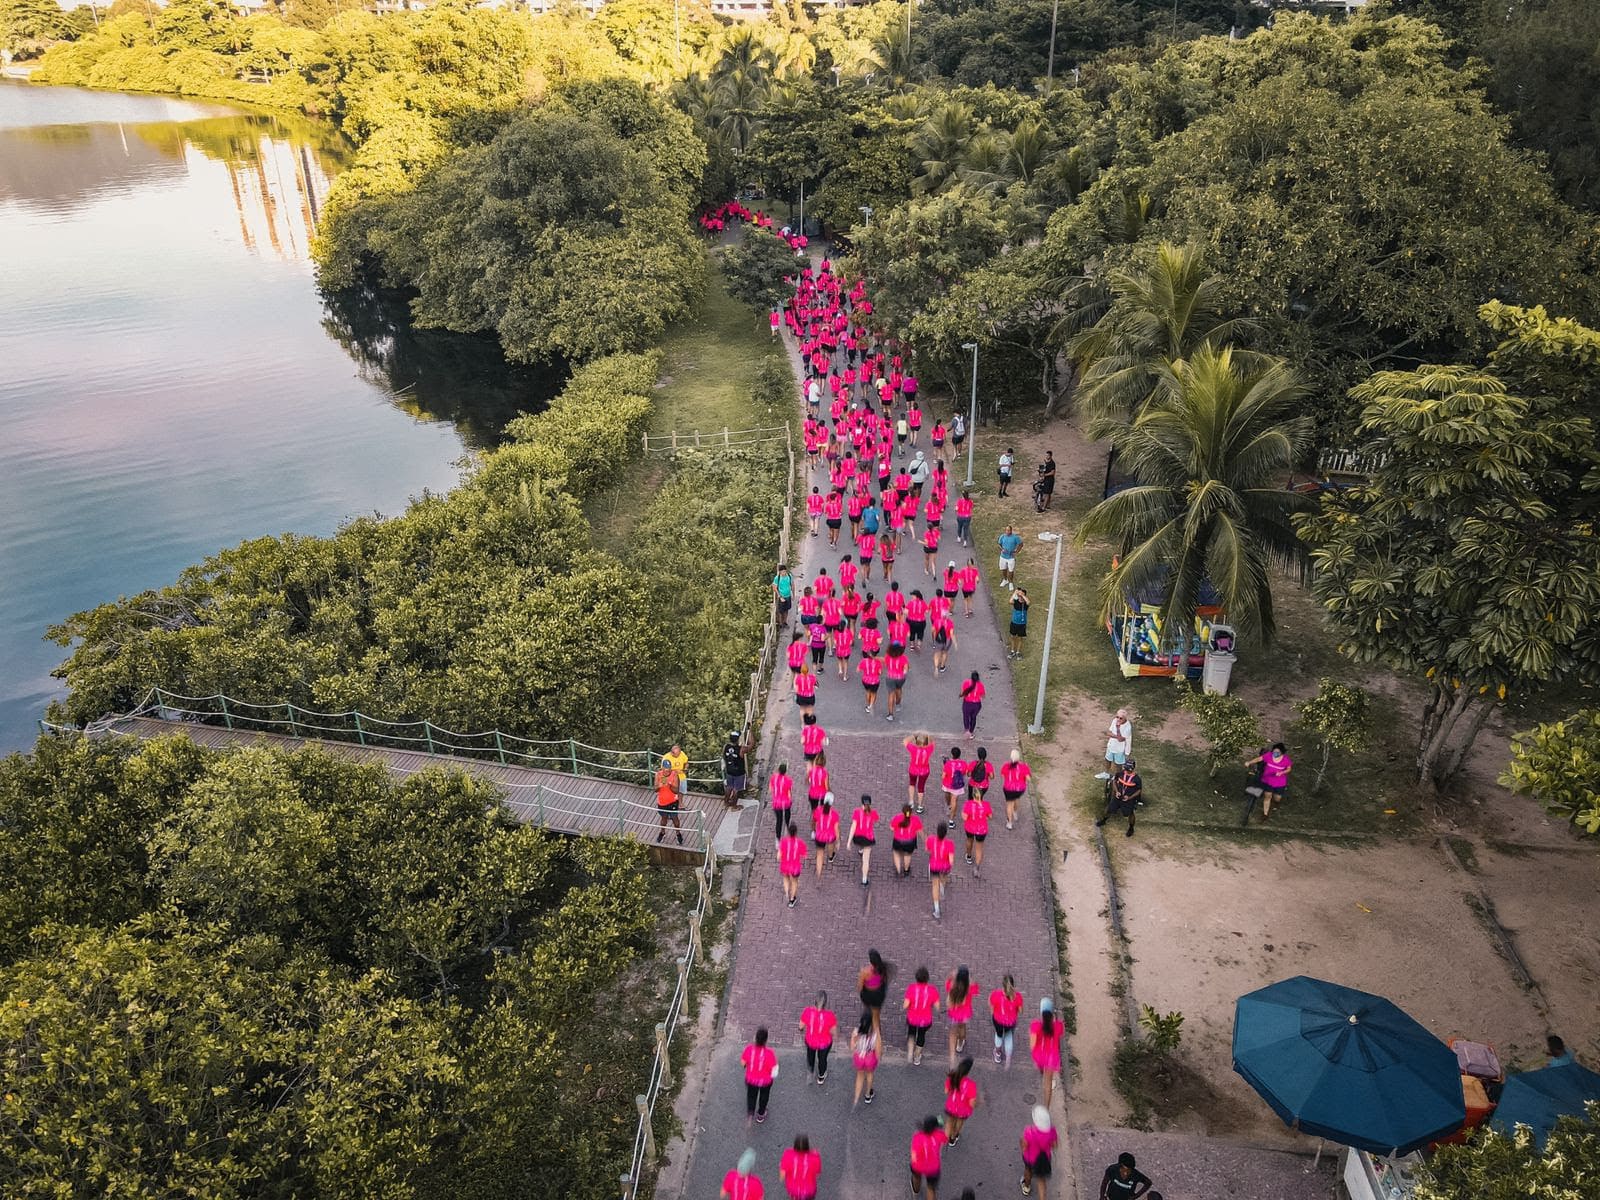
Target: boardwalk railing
x=569 y=757
x=725 y=439
x=661 y=1080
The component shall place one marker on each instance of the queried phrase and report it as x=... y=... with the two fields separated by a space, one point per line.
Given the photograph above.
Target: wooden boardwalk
x=578 y=804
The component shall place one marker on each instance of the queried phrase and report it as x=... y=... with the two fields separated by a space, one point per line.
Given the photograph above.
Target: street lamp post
x=1050 y=66
x=972 y=418
x=866 y=210
x=1049 y=628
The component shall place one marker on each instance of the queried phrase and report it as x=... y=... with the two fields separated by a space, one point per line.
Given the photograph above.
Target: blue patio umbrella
x=1347 y=1066
x=1538 y=1099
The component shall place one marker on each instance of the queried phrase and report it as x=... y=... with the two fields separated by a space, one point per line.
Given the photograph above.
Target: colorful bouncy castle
x=1144 y=647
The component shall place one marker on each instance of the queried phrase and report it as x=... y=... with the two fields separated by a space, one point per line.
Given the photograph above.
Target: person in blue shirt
x=869 y=518
x=1010 y=543
x=1560 y=1056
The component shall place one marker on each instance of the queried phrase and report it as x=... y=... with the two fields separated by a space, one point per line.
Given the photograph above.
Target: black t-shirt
x=1047 y=473
x=1126 y=789
x=733 y=759
x=1114 y=1187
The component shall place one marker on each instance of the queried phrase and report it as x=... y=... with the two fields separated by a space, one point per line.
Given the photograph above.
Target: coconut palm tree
x=1208 y=447
x=1160 y=310
x=940 y=145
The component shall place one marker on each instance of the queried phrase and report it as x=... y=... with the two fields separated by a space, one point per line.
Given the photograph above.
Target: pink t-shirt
x=1046 y=1050
x=819 y=1024
x=959 y=1010
x=962 y=1099
x=742 y=1187
x=816 y=782
x=941 y=853
x=800 y=1171
x=925 y=1151
x=920 y=1001
x=814 y=504
x=805 y=684
x=871 y=669
x=904 y=827
x=781 y=789
x=975 y=816
x=791 y=856
x=921 y=757
x=1036 y=1142
x=963 y=507
x=797 y=654
x=969 y=579
x=1014 y=776
x=812 y=739
x=1005 y=1009
x=826 y=826
x=896 y=665
x=759 y=1062
x=864 y=823
x=973 y=690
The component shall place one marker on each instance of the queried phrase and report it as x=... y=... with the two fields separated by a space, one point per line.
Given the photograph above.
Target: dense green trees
x=1493 y=1166
x=1558 y=763
x=254 y=974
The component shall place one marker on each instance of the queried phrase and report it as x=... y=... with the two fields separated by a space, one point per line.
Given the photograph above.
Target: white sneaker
x=1103 y=775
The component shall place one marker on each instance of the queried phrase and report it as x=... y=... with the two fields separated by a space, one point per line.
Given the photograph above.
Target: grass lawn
x=708 y=367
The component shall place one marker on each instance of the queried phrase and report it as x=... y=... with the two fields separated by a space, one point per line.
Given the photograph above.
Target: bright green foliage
x=1163 y=1032
x=1559 y=764
x=324 y=982
x=567 y=233
x=1338 y=717
x=756 y=269
x=1471 y=558
x=1226 y=723
x=597 y=420
x=29 y=27
x=1492 y=1166
x=1209 y=450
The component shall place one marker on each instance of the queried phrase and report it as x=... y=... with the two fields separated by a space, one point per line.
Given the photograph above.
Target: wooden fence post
x=661 y=1050
x=643 y=1106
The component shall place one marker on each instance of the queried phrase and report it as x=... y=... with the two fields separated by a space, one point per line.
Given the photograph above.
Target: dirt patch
x=1393 y=919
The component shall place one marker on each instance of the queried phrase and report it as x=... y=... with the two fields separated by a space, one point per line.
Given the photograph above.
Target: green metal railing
x=567 y=756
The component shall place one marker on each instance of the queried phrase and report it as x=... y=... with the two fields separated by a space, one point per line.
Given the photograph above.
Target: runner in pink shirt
x=899 y=631
x=919 y=749
x=1044 y=1043
x=959 y=993
x=1038 y=1144
x=953 y=779
x=904 y=830
x=817 y=642
x=805 y=687
x=871 y=668
x=851 y=601
x=964 y=519
x=867 y=545
x=864 y=833
x=813 y=738
x=960 y=1099
x=801 y=1167
x=894 y=602
x=847 y=573
x=797 y=651
x=930 y=549
x=791 y=861
x=944 y=637
x=916 y=619
x=825 y=831
x=843 y=642
x=822 y=585
x=780 y=788
x=921 y=1001
x=871 y=635
x=866 y=1046
x=972 y=693
x=886 y=556
x=952 y=581
x=1014 y=776
x=817 y=781
x=814 y=509
x=817 y=1024
x=969 y=584
x=941 y=858
x=742 y=1183
x=975 y=823
x=927 y=1145
x=1005 y=1006
x=896 y=666
x=760 y=1069
x=833 y=514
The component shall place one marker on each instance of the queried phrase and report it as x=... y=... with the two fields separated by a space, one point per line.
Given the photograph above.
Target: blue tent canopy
x=1538 y=1099
x=1347 y=1065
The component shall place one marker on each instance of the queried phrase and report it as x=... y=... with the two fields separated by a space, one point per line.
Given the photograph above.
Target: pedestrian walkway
x=1001 y=923
x=1183 y=1167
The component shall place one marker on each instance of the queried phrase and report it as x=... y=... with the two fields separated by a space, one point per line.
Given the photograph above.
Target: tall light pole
x=1050 y=67
x=866 y=211
x=972 y=419
x=1049 y=628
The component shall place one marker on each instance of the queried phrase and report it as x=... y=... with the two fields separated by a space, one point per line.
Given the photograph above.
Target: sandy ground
x=1209 y=919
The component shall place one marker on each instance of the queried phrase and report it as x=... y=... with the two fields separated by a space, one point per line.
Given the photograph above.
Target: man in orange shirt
x=668 y=801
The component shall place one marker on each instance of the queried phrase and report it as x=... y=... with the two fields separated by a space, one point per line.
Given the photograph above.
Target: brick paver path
x=998 y=924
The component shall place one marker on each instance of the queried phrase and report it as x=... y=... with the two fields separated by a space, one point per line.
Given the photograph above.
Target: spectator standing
x=1010 y=543
x=1122 y=797
x=1123 y=1180
x=1119 y=742
x=1008 y=461
x=1019 y=622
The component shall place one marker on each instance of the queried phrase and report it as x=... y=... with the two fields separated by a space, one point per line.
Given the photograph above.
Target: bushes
x=1225 y=722
x=597 y=420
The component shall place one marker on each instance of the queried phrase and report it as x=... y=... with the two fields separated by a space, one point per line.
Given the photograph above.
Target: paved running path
x=1001 y=923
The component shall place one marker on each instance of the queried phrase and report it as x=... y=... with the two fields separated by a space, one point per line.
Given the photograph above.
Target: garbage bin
x=1219 y=660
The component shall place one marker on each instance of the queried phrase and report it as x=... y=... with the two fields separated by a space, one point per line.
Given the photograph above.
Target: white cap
x=828 y=799
x=1041 y=1118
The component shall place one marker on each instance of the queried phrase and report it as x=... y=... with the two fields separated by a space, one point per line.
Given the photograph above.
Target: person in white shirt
x=1007 y=461
x=1119 y=742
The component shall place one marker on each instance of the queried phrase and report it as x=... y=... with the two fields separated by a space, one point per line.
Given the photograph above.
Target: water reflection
x=452 y=376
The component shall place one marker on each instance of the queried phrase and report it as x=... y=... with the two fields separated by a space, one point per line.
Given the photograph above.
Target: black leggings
x=918 y=1034
x=818 y=655
x=782 y=815
x=755 y=1098
x=817 y=1060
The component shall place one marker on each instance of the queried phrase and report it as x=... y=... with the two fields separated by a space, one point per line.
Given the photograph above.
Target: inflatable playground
x=1144 y=647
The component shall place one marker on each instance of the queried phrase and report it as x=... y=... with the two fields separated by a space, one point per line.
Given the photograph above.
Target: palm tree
x=940 y=145
x=1208 y=447
x=1031 y=149
x=1161 y=310
x=986 y=162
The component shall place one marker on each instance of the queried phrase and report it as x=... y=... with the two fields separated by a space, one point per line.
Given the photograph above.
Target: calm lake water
x=171 y=380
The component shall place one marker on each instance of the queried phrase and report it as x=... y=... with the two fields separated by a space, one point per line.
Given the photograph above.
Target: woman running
x=805 y=687
x=921 y=1001
x=941 y=858
x=980 y=774
x=919 y=749
x=944 y=640
x=1005 y=1006
x=843 y=644
x=916 y=619
x=975 y=824
x=817 y=1023
x=959 y=992
x=927 y=1145
x=825 y=831
x=1014 y=777
x=972 y=691
x=866 y=1045
x=904 y=829
x=897 y=666
x=818 y=643
x=870 y=667
x=796 y=652
x=814 y=509
x=1044 y=1043
x=760 y=1069
x=780 y=789
x=801 y=1167
x=960 y=1099
x=872 y=983
x=964 y=518
x=1038 y=1143
x=742 y=1183
x=953 y=779
x=969 y=584
x=817 y=782
x=864 y=834
x=791 y=861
